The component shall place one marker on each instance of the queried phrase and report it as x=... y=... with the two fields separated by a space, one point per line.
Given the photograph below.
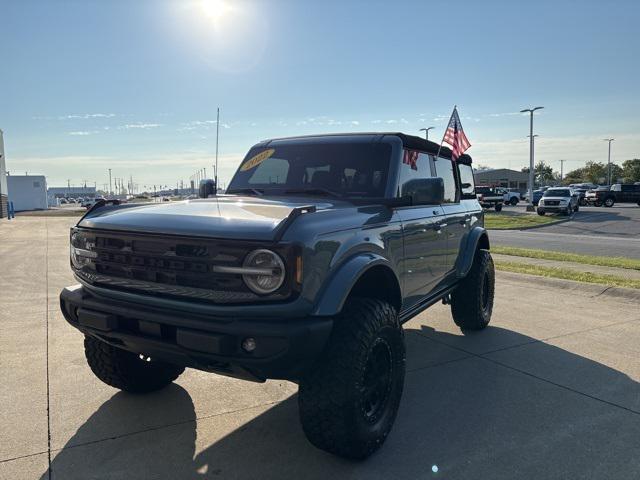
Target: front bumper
x=552 y=208
x=285 y=349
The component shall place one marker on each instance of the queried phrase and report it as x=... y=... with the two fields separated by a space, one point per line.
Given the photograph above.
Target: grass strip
x=567 y=274
x=498 y=221
x=618 y=262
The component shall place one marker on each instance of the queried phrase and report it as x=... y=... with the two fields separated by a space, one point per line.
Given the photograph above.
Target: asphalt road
x=613 y=232
x=550 y=390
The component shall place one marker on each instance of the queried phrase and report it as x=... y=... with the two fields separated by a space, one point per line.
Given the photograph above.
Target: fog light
x=249 y=344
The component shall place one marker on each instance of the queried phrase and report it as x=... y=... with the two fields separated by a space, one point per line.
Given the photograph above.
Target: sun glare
x=215 y=9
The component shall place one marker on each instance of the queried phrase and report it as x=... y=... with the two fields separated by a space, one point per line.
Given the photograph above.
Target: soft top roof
x=411 y=142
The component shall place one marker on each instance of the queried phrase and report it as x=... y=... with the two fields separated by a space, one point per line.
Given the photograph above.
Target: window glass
x=615 y=188
x=270 y=172
x=466 y=176
x=354 y=169
x=444 y=170
x=414 y=167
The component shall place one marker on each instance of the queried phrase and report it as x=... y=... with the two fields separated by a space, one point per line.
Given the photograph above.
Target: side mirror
x=425 y=191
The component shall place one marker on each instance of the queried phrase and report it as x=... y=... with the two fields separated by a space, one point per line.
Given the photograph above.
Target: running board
x=426 y=303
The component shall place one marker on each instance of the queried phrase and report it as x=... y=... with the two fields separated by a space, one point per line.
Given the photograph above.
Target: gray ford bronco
x=305 y=270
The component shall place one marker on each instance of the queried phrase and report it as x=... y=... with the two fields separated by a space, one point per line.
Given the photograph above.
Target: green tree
x=631 y=170
x=543 y=172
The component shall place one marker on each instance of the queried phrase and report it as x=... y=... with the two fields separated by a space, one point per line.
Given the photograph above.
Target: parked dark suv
x=305 y=271
x=618 y=193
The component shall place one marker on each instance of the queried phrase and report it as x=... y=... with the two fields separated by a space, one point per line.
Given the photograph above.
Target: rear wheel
x=349 y=402
x=472 y=301
x=597 y=203
x=513 y=201
x=499 y=207
x=128 y=371
x=608 y=202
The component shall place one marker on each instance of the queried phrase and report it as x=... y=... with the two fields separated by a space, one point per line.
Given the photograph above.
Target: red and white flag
x=455 y=136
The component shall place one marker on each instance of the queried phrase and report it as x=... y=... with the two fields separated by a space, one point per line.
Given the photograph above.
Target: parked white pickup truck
x=512 y=197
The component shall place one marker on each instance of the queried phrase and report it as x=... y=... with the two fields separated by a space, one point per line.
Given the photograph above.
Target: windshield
x=336 y=169
x=561 y=192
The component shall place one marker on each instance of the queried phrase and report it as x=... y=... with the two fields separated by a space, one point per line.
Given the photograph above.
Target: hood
x=232 y=217
x=554 y=198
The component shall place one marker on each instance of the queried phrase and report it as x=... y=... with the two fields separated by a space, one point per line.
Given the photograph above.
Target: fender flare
x=477 y=235
x=340 y=283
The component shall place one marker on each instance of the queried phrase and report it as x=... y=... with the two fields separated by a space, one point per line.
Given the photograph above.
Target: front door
x=425 y=250
x=424 y=237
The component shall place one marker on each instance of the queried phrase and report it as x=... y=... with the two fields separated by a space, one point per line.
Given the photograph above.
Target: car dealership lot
x=550 y=390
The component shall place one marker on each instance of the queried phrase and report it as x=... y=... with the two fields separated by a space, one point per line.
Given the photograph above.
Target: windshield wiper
x=314 y=191
x=253 y=191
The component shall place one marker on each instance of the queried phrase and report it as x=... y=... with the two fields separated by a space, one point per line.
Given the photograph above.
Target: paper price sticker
x=257 y=159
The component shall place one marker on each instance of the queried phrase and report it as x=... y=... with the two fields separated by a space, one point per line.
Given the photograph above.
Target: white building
x=27 y=192
x=3 y=181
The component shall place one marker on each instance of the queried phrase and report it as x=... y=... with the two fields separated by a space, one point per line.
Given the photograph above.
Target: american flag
x=455 y=136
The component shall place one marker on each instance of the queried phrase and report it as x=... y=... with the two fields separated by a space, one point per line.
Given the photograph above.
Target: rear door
x=425 y=242
x=456 y=216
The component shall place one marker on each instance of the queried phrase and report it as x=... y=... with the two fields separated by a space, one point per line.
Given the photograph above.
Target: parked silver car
x=558 y=200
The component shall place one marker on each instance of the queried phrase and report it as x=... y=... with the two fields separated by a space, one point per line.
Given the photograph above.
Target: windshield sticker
x=257 y=159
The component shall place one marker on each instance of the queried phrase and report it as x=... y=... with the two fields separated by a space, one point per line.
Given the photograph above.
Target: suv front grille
x=172 y=266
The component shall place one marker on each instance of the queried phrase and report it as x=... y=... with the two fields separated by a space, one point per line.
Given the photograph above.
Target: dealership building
x=27 y=192
x=4 y=196
x=503 y=177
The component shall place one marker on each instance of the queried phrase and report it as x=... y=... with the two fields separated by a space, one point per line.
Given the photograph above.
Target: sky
x=133 y=86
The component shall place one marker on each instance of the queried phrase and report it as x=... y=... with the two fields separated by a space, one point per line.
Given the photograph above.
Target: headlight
x=265 y=271
x=541 y=202
x=81 y=250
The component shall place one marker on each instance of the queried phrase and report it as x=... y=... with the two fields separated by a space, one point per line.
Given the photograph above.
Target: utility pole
x=562 y=170
x=609 y=160
x=110 y=190
x=530 y=207
x=217 y=138
x=426 y=132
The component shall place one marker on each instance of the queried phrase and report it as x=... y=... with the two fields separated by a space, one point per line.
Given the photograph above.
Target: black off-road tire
x=541 y=212
x=498 y=207
x=577 y=208
x=472 y=300
x=336 y=399
x=597 y=204
x=126 y=370
x=513 y=202
x=609 y=202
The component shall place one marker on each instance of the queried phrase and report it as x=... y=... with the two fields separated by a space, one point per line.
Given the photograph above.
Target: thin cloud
x=83 y=133
x=142 y=126
x=86 y=116
x=504 y=114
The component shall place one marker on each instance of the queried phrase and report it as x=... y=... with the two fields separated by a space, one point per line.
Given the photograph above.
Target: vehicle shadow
x=465 y=416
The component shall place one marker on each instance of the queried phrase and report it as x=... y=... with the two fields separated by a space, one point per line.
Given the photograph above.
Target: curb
x=590 y=289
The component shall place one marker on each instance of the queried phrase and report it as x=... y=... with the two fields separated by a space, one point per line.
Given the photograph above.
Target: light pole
x=531 y=176
x=609 y=160
x=562 y=170
x=110 y=191
x=426 y=132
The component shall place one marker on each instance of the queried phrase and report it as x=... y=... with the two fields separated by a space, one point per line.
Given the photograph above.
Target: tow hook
x=446 y=300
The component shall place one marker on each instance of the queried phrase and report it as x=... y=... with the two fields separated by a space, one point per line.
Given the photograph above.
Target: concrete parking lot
x=550 y=390
x=612 y=232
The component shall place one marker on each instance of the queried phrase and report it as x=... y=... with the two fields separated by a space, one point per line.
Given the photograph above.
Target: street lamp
x=531 y=177
x=609 y=160
x=426 y=132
